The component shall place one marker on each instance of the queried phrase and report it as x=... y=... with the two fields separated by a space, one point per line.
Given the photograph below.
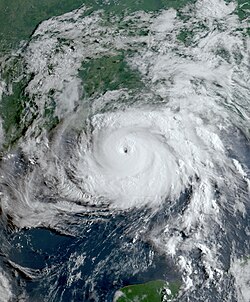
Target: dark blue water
x=89 y=266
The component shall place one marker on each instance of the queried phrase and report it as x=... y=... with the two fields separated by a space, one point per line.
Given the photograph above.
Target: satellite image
x=124 y=151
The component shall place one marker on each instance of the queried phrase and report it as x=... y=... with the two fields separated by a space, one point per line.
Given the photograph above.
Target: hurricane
x=129 y=159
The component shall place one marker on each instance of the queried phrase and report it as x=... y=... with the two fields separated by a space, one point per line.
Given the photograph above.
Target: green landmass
x=152 y=291
x=107 y=73
x=243 y=9
x=187 y=34
x=19 y=18
x=11 y=108
x=17 y=109
x=14 y=106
